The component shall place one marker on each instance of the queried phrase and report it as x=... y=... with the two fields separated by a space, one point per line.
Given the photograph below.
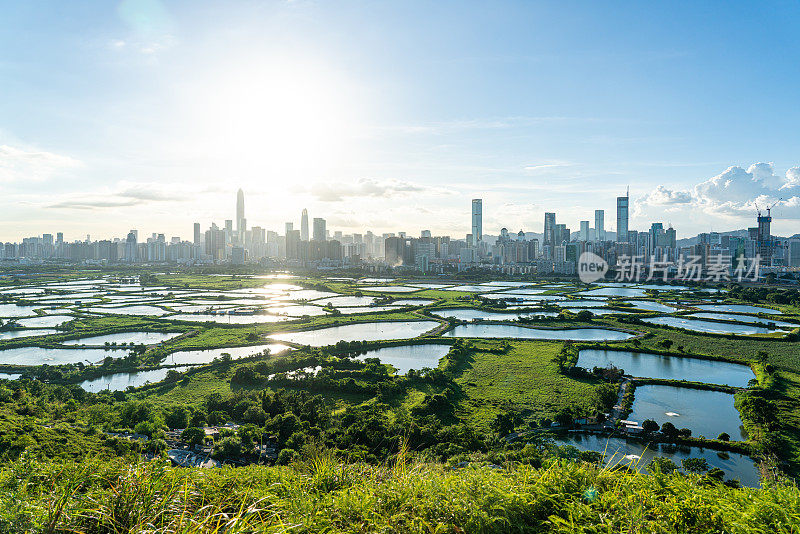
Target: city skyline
x=119 y=113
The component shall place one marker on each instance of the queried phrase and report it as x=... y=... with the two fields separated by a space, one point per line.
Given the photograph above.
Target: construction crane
x=773 y=205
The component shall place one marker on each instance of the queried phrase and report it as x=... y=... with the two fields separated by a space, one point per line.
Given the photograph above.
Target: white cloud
x=121 y=195
x=547 y=166
x=661 y=196
x=17 y=164
x=736 y=192
x=366 y=187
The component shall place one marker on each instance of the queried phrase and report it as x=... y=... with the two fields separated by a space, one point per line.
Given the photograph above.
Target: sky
x=392 y=116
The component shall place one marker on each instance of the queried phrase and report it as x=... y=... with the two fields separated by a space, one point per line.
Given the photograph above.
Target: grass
x=319 y=494
x=524 y=379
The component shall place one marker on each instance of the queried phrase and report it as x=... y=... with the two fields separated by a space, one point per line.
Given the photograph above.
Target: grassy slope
x=524 y=379
x=322 y=495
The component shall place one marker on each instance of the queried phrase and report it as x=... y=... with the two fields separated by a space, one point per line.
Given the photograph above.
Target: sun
x=272 y=123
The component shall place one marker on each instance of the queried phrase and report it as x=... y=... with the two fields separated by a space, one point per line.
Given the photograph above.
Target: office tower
x=549 y=228
x=304 y=225
x=289 y=227
x=656 y=236
x=240 y=221
x=59 y=237
x=561 y=234
x=197 y=234
x=425 y=234
x=622 y=218
x=477 y=221
x=599 y=224
x=293 y=245
x=584 y=231
x=794 y=253
x=671 y=237
x=320 y=232
x=131 y=246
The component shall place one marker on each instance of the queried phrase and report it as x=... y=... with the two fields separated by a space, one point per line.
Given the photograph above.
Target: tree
x=695 y=465
x=669 y=430
x=666 y=343
x=194 y=435
x=650 y=426
x=503 y=424
x=229 y=447
x=605 y=396
x=584 y=315
x=724 y=437
x=177 y=417
x=564 y=417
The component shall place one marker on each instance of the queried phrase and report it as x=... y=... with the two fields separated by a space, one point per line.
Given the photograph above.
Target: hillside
x=322 y=495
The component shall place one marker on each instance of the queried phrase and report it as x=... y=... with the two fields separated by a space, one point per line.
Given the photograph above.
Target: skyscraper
x=197 y=233
x=320 y=232
x=622 y=218
x=549 y=228
x=477 y=221
x=240 y=222
x=584 y=230
x=304 y=225
x=599 y=224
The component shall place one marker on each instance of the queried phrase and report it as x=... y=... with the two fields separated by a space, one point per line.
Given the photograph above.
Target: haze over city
x=147 y=114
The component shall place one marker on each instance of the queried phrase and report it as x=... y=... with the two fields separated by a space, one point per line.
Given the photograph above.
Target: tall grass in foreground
x=320 y=494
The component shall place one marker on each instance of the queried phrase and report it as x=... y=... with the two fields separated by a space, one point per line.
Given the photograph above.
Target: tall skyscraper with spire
x=304 y=225
x=240 y=220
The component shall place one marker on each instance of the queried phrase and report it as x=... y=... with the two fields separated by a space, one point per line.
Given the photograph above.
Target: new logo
x=591 y=267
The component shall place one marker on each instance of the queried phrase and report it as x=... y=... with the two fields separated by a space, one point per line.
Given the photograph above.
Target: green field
x=524 y=380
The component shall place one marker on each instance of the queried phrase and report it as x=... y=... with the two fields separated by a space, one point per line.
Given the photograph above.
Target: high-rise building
x=599 y=224
x=584 y=231
x=197 y=234
x=764 y=241
x=794 y=253
x=561 y=234
x=320 y=232
x=477 y=221
x=549 y=228
x=656 y=236
x=131 y=246
x=240 y=220
x=622 y=218
x=304 y=225
x=289 y=227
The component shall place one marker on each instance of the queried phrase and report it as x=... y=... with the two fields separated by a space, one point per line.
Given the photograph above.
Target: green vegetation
x=320 y=494
x=524 y=380
x=480 y=392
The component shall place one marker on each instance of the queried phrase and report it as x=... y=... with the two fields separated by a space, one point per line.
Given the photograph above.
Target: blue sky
x=391 y=116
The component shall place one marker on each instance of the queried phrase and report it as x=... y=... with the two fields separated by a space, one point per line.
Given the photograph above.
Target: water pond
x=136 y=338
x=520 y=332
x=705 y=413
x=707 y=326
x=358 y=332
x=647 y=365
x=407 y=357
x=638 y=455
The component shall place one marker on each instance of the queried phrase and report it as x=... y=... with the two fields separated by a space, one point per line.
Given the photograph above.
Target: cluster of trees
x=765 y=294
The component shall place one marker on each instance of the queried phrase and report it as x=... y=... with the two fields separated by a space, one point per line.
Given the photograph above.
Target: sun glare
x=277 y=122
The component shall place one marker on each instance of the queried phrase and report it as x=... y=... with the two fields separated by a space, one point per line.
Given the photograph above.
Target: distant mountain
x=689 y=241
